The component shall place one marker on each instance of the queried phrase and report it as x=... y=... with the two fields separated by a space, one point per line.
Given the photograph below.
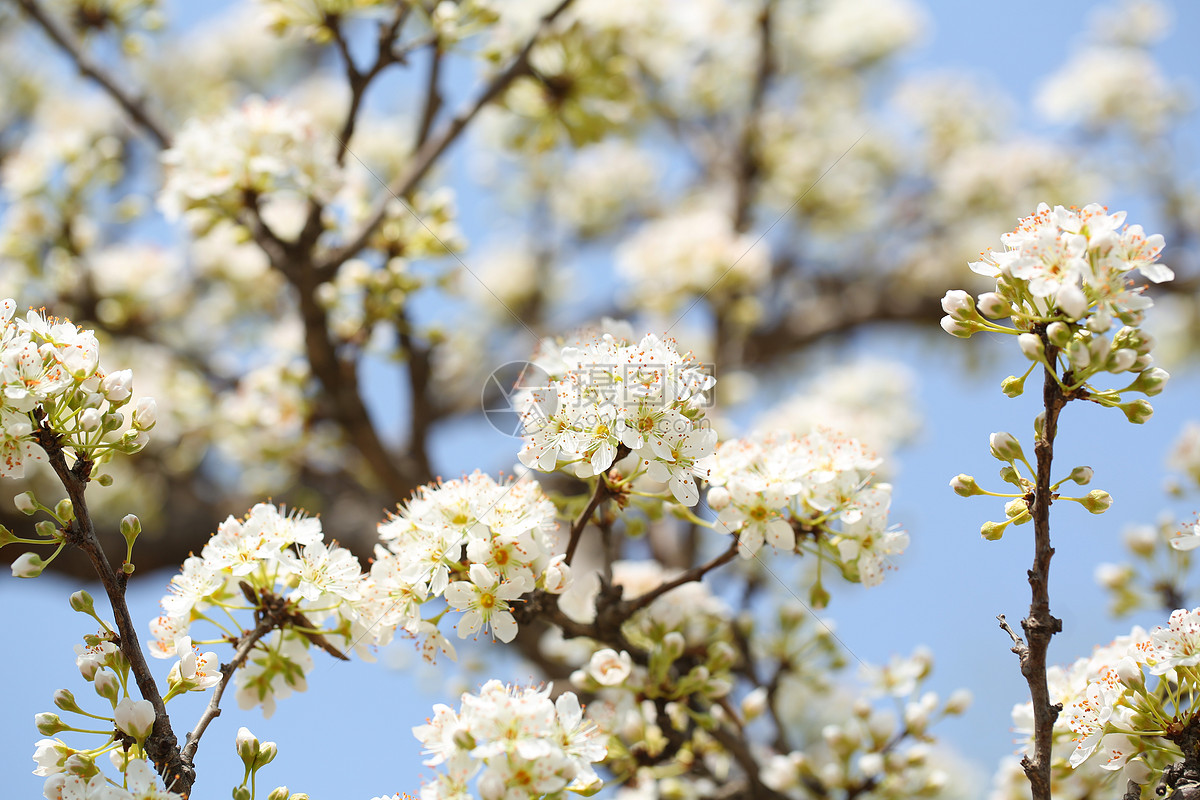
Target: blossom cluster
x=1064 y=278
x=1126 y=708
x=258 y=153
x=609 y=395
x=814 y=491
x=479 y=543
x=269 y=553
x=50 y=377
x=517 y=741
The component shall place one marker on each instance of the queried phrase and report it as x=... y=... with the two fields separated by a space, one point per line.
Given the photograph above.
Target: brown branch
x=687 y=576
x=161 y=745
x=1040 y=625
x=429 y=152
x=213 y=709
x=359 y=80
x=599 y=496
x=748 y=157
x=433 y=96
x=133 y=106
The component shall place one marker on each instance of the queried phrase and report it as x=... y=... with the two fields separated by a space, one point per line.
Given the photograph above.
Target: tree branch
x=133 y=106
x=1040 y=625
x=748 y=166
x=161 y=745
x=429 y=152
x=599 y=496
x=687 y=576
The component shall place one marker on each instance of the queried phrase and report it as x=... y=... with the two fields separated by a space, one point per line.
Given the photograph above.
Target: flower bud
x=818 y=596
x=1151 y=381
x=106 y=685
x=959 y=305
x=65 y=700
x=1009 y=474
x=959 y=701
x=1082 y=475
x=82 y=602
x=47 y=530
x=28 y=565
x=718 y=498
x=278 y=793
x=1097 y=501
x=992 y=306
x=117 y=386
x=1013 y=385
x=135 y=717
x=131 y=526
x=962 y=330
x=266 y=754
x=1121 y=360
x=145 y=414
x=1005 y=447
x=1071 y=300
x=1031 y=345
x=48 y=723
x=26 y=503
x=754 y=704
x=992 y=531
x=1059 y=334
x=965 y=486
x=241 y=793
x=64 y=510
x=1016 y=510
x=90 y=419
x=1138 y=411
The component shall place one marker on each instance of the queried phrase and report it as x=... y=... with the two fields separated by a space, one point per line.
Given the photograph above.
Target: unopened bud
x=1059 y=334
x=1013 y=385
x=65 y=700
x=1121 y=360
x=48 y=723
x=241 y=793
x=818 y=597
x=1005 y=447
x=1031 y=346
x=965 y=486
x=959 y=701
x=1082 y=475
x=64 y=510
x=954 y=327
x=1151 y=381
x=90 y=419
x=145 y=414
x=26 y=503
x=131 y=526
x=992 y=531
x=1138 y=411
x=991 y=305
x=279 y=793
x=46 y=529
x=1097 y=501
x=718 y=498
x=959 y=305
x=1016 y=508
x=106 y=685
x=247 y=746
x=674 y=644
x=28 y=565
x=267 y=753
x=754 y=704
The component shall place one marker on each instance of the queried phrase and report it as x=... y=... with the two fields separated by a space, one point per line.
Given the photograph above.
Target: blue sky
x=350 y=734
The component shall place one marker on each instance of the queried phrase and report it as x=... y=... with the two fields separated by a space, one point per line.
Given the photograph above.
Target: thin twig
x=687 y=576
x=602 y=492
x=213 y=709
x=1041 y=625
x=133 y=106
x=161 y=745
x=429 y=152
x=748 y=150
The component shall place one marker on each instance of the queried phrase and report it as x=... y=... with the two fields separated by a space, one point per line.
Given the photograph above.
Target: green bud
x=266 y=754
x=1039 y=424
x=48 y=724
x=247 y=746
x=1059 y=334
x=1138 y=411
x=26 y=503
x=128 y=568
x=965 y=486
x=1082 y=475
x=1013 y=385
x=131 y=526
x=721 y=656
x=241 y=793
x=104 y=479
x=82 y=602
x=279 y=793
x=1015 y=508
x=304 y=796
x=992 y=530
x=1097 y=501
x=1150 y=382
x=1005 y=447
x=1032 y=346
x=47 y=530
x=673 y=645
x=65 y=701
x=818 y=597
x=64 y=510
